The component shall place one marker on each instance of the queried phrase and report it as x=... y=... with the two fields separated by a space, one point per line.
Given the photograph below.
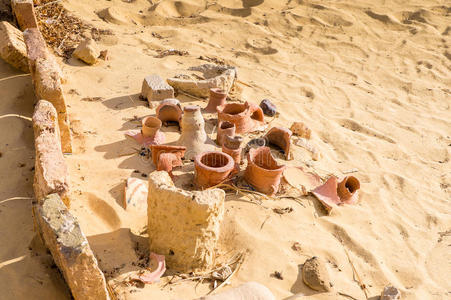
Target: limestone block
x=87 y=51
x=246 y=291
x=51 y=174
x=70 y=250
x=47 y=80
x=12 y=47
x=24 y=12
x=183 y=226
x=154 y=88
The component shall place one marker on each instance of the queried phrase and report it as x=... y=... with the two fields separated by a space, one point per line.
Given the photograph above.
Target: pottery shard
x=390 y=293
x=301 y=130
x=156 y=89
x=315 y=274
x=246 y=291
x=87 y=51
x=24 y=12
x=70 y=249
x=47 y=80
x=51 y=175
x=12 y=47
x=183 y=226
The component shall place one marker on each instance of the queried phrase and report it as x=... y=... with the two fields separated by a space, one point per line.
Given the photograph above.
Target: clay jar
x=246 y=117
x=193 y=136
x=262 y=171
x=166 y=157
x=280 y=136
x=151 y=130
x=224 y=129
x=212 y=168
x=169 y=110
x=217 y=98
x=232 y=146
x=347 y=188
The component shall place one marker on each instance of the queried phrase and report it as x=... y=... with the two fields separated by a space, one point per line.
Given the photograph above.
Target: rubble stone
x=154 y=88
x=12 y=47
x=24 y=12
x=87 y=51
x=184 y=226
x=268 y=107
x=315 y=274
x=70 y=249
x=51 y=174
x=390 y=293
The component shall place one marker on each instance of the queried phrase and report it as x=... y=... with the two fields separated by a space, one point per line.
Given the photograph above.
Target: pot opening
x=226 y=125
x=152 y=122
x=218 y=91
x=234 y=108
x=266 y=161
x=214 y=160
x=352 y=184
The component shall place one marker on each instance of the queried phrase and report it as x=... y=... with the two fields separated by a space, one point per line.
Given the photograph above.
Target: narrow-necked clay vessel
x=169 y=110
x=225 y=128
x=246 y=116
x=217 y=98
x=150 y=133
x=166 y=157
x=212 y=168
x=232 y=146
x=280 y=136
x=262 y=171
x=193 y=136
x=334 y=192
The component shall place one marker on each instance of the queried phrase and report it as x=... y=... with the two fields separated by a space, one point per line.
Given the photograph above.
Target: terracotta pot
x=193 y=136
x=224 y=129
x=169 y=110
x=232 y=146
x=212 y=168
x=280 y=136
x=166 y=157
x=334 y=192
x=150 y=126
x=347 y=188
x=150 y=133
x=217 y=98
x=246 y=117
x=262 y=171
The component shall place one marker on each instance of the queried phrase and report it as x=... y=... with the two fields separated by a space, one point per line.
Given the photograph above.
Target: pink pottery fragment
x=334 y=193
x=152 y=277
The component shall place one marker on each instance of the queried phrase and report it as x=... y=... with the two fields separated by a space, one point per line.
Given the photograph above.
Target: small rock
x=268 y=107
x=390 y=293
x=315 y=274
x=87 y=51
x=301 y=130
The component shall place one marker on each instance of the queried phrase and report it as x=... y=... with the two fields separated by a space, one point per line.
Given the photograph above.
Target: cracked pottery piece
x=280 y=136
x=169 y=110
x=224 y=129
x=166 y=157
x=193 y=136
x=246 y=116
x=300 y=179
x=135 y=194
x=212 y=168
x=232 y=146
x=150 y=133
x=334 y=193
x=262 y=171
x=217 y=98
x=301 y=130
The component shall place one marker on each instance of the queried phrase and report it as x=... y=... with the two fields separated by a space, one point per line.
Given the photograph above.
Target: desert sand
x=372 y=79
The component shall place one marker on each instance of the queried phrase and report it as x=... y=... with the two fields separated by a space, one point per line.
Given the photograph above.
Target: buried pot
x=262 y=171
x=169 y=110
x=232 y=146
x=280 y=136
x=246 y=116
x=225 y=128
x=333 y=192
x=212 y=168
x=150 y=133
x=217 y=98
x=166 y=157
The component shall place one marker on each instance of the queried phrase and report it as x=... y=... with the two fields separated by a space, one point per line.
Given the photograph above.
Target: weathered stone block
x=51 y=175
x=156 y=89
x=47 y=79
x=24 y=12
x=183 y=226
x=12 y=47
x=70 y=249
x=87 y=51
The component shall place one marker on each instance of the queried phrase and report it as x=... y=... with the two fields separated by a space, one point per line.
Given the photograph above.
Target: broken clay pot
x=150 y=133
x=193 y=136
x=333 y=193
x=262 y=171
x=169 y=110
x=217 y=98
x=166 y=157
x=232 y=146
x=135 y=194
x=224 y=129
x=280 y=136
x=212 y=168
x=247 y=117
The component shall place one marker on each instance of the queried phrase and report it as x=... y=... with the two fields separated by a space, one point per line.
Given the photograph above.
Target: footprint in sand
x=261 y=46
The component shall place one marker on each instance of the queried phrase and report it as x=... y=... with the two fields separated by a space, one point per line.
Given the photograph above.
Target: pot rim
x=278 y=169
x=144 y=120
x=228 y=166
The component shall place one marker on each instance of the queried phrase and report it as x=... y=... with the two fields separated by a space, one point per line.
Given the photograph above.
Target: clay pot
x=166 y=157
x=280 y=136
x=232 y=146
x=334 y=192
x=262 y=171
x=150 y=133
x=150 y=126
x=347 y=188
x=169 y=110
x=246 y=117
x=193 y=136
x=212 y=168
x=217 y=98
x=224 y=129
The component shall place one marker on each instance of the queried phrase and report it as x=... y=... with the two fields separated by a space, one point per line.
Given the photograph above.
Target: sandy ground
x=371 y=79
